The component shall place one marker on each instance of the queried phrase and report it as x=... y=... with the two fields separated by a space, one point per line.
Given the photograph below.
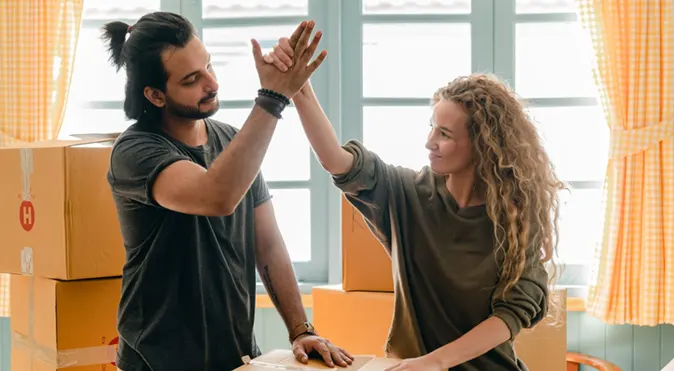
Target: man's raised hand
x=298 y=69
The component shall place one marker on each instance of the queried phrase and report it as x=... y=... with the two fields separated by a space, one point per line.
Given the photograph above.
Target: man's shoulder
x=137 y=148
x=138 y=131
x=137 y=137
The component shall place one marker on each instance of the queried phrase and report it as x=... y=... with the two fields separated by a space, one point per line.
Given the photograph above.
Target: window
x=97 y=90
x=385 y=101
x=386 y=58
x=552 y=70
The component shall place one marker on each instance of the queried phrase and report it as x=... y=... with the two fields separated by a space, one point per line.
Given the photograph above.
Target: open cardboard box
x=285 y=360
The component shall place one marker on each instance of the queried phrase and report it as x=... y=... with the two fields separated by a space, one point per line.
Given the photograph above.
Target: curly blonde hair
x=513 y=171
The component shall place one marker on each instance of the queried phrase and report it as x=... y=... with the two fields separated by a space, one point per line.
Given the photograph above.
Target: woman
x=468 y=235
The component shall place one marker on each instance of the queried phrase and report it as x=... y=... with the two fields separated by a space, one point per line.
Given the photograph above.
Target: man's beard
x=190 y=112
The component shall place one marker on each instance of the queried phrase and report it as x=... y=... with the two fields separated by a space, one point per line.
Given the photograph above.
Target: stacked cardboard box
x=62 y=246
x=366 y=266
x=357 y=314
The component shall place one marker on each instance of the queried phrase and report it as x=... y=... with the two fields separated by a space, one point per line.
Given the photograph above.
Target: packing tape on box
x=26 y=215
x=248 y=361
x=88 y=356
x=26 y=171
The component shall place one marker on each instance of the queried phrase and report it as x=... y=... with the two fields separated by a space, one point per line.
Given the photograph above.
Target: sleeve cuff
x=262 y=200
x=362 y=171
x=149 y=187
x=510 y=319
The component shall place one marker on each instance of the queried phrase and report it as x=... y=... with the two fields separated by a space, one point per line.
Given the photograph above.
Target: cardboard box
x=360 y=321
x=73 y=324
x=340 y=315
x=285 y=360
x=366 y=265
x=56 y=210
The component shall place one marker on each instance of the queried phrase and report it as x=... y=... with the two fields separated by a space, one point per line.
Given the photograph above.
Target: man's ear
x=155 y=96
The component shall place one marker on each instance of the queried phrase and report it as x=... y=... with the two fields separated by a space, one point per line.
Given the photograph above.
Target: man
x=194 y=210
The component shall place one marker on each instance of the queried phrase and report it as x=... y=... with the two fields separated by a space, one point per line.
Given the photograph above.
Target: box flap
x=40 y=144
x=83 y=142
x=103 y=143
x=90 y=136
x=379 y=364
x=281 y=359
x=56 y=143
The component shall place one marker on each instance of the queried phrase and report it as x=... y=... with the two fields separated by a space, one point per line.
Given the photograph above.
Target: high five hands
x=283 y=53
x=291 y=79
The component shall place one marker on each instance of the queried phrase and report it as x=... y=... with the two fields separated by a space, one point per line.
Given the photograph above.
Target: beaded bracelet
x=273 y=94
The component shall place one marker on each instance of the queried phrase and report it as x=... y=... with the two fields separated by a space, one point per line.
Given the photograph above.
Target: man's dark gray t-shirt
x=188 y=285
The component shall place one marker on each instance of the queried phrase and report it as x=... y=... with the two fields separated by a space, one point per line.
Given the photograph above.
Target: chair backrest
x=574 y=360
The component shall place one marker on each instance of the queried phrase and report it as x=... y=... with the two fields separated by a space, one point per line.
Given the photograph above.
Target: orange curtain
x=37 y=52
x=633 y=280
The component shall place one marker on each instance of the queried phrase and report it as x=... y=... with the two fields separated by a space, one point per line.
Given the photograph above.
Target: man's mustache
x=209 y=97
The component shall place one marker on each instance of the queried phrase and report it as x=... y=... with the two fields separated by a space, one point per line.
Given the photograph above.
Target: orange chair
x=574 y=360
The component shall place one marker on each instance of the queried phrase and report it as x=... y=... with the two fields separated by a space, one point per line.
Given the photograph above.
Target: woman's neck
x=463 y=188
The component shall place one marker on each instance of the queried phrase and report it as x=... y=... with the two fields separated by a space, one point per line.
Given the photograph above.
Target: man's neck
x=462 y=187
x=191 y=132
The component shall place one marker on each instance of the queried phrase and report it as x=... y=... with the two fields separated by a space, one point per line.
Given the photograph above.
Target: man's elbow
x=223 y=209
x=204 y=201
x=225 y=204
x=223 y=199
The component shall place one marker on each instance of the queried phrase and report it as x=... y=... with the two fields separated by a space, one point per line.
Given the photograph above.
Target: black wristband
x=273 y=94
x=271 y=104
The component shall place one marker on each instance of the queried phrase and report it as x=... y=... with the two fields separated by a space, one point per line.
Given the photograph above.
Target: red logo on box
x=27 y=215
x=114 y=341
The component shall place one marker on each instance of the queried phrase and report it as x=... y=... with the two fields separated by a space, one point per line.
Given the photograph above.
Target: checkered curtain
x=37 y=52
x=633 y=281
